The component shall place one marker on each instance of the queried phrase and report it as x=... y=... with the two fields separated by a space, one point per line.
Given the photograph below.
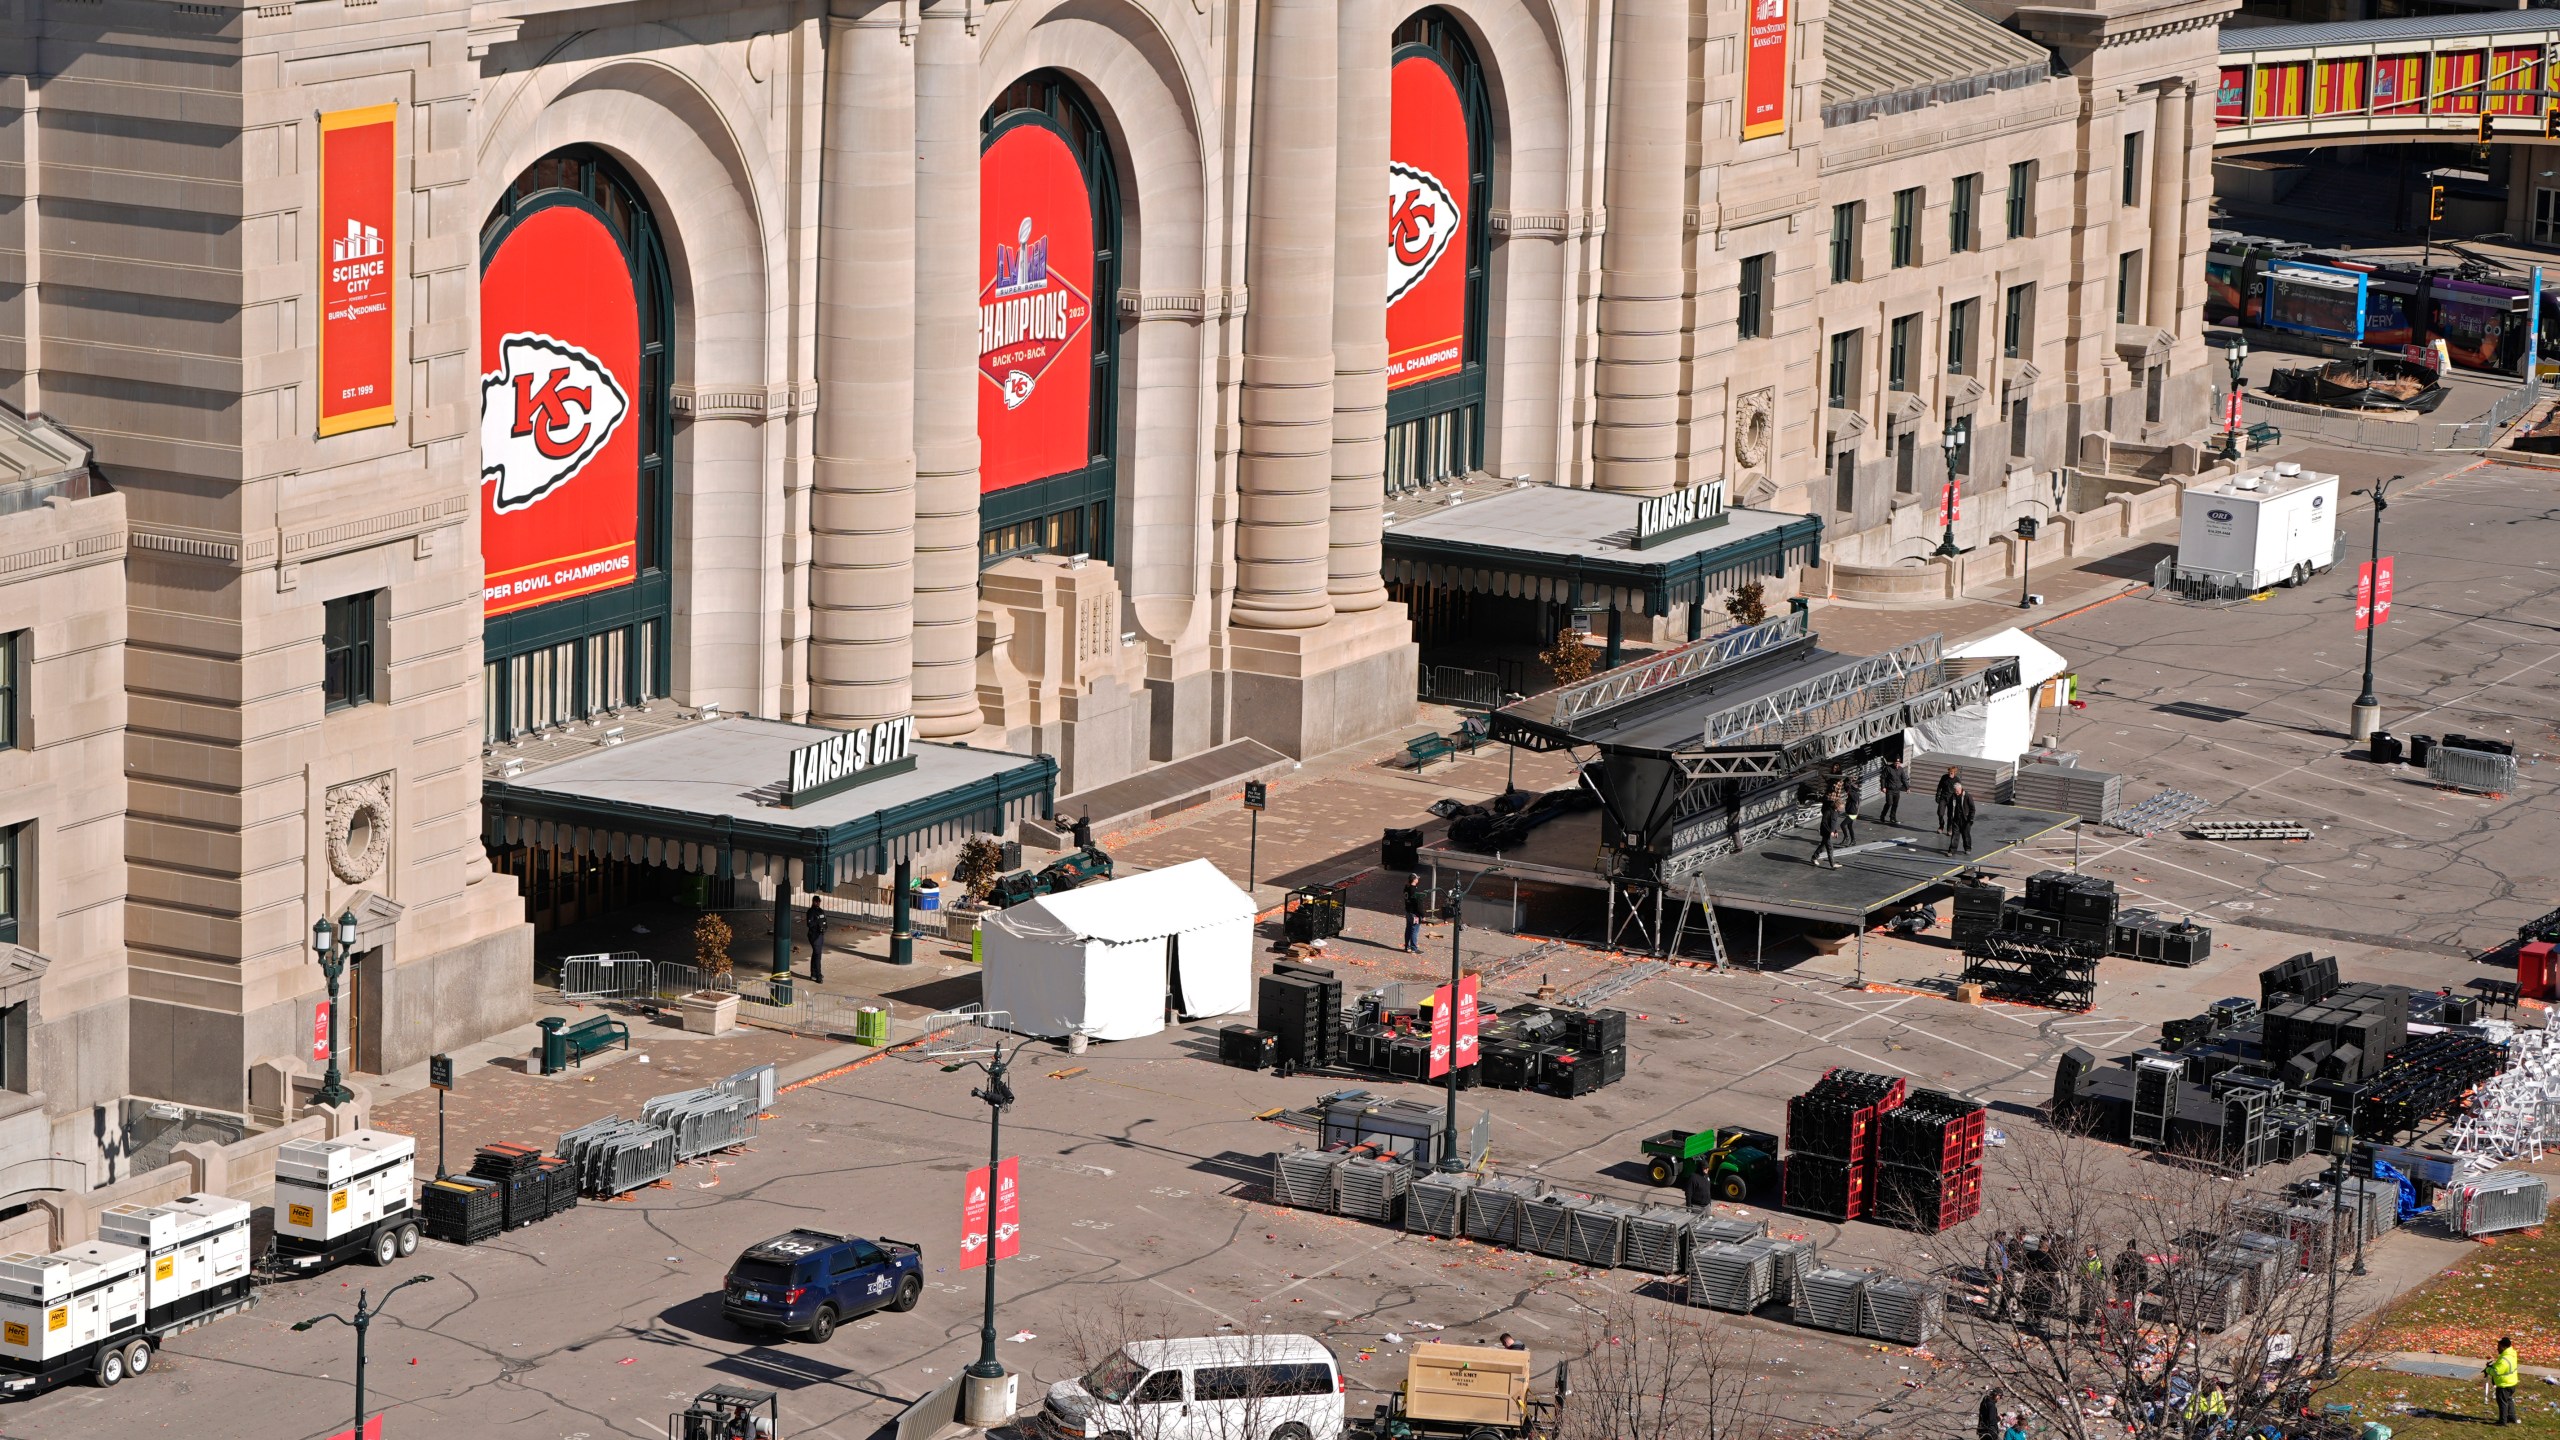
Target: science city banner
x=559 y=442
x=359 y=330
x=1427 y=187
x=1035 y=308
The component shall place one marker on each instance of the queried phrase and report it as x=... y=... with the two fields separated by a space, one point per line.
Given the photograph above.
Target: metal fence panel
x=2472 y=769
x=615 y=975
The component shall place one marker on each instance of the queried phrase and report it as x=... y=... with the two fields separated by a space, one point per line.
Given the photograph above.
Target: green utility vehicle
x=1735 y=1162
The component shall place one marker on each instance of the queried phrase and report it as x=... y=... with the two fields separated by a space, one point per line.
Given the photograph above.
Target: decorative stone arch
x=685 y=138
x=1139 y=79
x=1537 y=232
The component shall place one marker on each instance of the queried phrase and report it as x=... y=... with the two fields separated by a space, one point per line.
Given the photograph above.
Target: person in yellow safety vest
x=2207 y=1412
x=2502 y=1376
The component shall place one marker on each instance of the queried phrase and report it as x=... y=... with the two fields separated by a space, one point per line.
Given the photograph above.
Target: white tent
x=1105 y=960
x=2002 y=727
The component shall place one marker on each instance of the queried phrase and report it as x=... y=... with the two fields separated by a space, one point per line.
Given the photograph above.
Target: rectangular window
x=2018 y=425
x=9 y=884
x=2128 y=287
x=1751 y=313
x=1906 y=463
x=1960 y=214
x=1845 y=220
x=347 y=651
x=12 y=650
x=2022 y=199
x=1960 y=337
x=1906 y=228
x=2017 y=326
x=1844 y=481
x=1897 y=354
x=1842 y=391
x=2133 y=168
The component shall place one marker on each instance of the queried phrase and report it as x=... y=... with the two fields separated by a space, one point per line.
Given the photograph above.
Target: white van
x=1232 y=1387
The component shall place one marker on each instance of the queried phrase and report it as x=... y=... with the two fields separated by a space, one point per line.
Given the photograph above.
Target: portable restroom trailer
x=73 y=1314
x=197 y=1247
x=337 y=1199
x=2275 y=525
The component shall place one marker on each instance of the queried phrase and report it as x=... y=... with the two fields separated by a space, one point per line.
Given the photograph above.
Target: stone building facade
x=1033 y=368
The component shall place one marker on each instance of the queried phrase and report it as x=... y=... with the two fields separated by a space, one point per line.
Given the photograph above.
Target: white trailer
x=336 y=1199
x=197 y=1249
x=73 y=1314
x=2274 y=525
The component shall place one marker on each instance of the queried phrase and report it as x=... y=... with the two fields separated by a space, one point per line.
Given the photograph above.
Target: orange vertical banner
x=359 y=239
x=1764 y=68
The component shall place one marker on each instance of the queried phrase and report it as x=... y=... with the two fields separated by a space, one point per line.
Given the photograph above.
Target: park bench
x=1426 y=748
x=565 y=1043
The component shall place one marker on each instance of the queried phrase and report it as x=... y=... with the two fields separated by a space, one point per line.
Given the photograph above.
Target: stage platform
x=1887 y=866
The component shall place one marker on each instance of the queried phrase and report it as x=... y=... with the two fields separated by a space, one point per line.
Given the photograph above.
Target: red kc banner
x=1441 y=1032
x=1008 y=1208
x=359 y=330
x=2231 y=410
x=2364 y=595
x=320 y=1032
x=2382 y=590
x=1951 y=504
x=973 y=1220
x=1463 y=1048
x=372 y=1430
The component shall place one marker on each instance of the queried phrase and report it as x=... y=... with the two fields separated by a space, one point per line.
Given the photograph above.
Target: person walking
x=1995 y=1260
x=1895 y=779
x=1848 y=788
x=2093 y=1285
x=1828 y=824
x=1986 y=1416
x=817 y=927
x=2501 y=1373
x=1414 y=898
x=1959 y=821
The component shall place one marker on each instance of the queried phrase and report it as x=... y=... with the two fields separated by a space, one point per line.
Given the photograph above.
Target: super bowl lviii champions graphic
x=1035 y=309
x=559 y=442
x=1428 y=173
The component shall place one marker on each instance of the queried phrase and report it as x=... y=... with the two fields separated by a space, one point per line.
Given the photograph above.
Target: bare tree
x=1649 y=1372
x=2127 y=1295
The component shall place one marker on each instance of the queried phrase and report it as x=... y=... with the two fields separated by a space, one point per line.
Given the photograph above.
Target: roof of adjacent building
x=1884 y=57
x=2246 y=38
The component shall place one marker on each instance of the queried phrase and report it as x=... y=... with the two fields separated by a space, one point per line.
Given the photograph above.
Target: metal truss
x=1820 y=701
x=1629 y=683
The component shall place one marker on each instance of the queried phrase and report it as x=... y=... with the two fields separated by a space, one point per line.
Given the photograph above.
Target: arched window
x=1048 y=323
x=1440 y=151
x=577 y=435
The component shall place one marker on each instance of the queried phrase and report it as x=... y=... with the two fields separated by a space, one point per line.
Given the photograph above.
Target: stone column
x=1360 y=307
x=1636 y=431
x=946 y=386
x=2167 y=258
x=1286 y=475
x=862 y=514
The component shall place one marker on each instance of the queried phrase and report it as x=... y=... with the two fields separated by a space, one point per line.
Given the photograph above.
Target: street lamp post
x=1449 y=1160
x=365 y=1316
x=1954 y=442
x=984 y=1400
x=2367 y=715
x=2026 y=561
x=2237 y=352
x=2342 y=1143
x=334 y=945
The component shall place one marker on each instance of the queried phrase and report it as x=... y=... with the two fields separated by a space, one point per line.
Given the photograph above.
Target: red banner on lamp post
x=372 y=1430
x=320 y=1032
x=973 y=1220
x=1951 y=504
x=1008 y=1208
x=2382 y=590
x=1463 y=1046
x=1441 y=1032
x=2364 y=595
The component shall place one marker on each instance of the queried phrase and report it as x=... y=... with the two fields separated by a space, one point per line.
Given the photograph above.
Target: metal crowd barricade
x=2479 y=770
x=704 y=1120
x=614 y=975
x=615 y=1155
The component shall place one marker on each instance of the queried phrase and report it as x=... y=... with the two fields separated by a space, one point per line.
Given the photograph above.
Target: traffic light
x=2435 y=202
x=2486 y=121
x=2551 y=123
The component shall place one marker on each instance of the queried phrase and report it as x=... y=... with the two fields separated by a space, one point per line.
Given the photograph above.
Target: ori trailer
x=73 y=1314
x=338 y=1199
x=197 y=1249
x=2272 y=526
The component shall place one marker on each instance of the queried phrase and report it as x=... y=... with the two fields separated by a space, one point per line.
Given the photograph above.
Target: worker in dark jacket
x=1415 y=898
x=1986 y=1417
x=1959 y=821
x=817 y=925
x=1946 y=786
x=1829 y=824
x=1895 y=779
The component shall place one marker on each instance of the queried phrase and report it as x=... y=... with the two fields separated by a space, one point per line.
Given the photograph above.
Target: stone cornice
x=1188 y=305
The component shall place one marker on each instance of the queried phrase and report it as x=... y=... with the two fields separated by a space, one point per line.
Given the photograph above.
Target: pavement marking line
x=1117 y=1263
x=2485 y=689
x=1329 y=1269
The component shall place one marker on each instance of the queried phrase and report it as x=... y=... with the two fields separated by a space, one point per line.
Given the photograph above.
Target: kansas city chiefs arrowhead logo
x=1017 y=388
x=1422 y=218
x=545 y=412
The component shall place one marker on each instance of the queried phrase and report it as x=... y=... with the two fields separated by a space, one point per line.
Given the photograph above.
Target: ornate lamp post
x=1957 y=432
x=334 y=945
x=364 y=1319
x=2236 y=352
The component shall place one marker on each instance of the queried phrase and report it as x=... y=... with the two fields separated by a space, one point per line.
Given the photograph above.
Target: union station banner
x=1035 y=309
x=1428 y=177
x=559 y=442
